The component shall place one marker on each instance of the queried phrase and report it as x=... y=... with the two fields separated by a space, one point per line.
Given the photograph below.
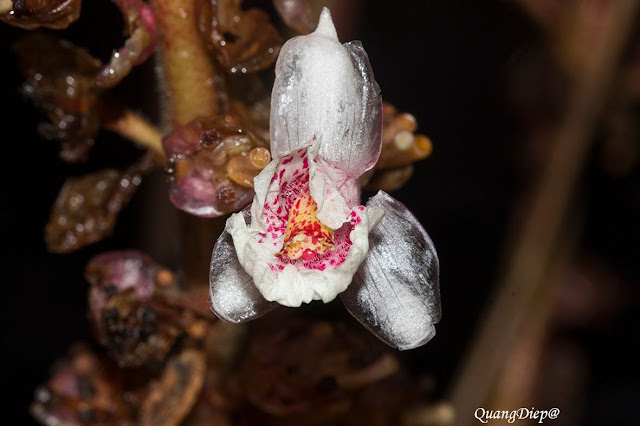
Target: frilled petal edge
x=232 y=293
x=395 y=292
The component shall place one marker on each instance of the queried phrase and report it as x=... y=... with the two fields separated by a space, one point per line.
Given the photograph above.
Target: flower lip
x=288 y=219
x=306 y=237
x=308 y=275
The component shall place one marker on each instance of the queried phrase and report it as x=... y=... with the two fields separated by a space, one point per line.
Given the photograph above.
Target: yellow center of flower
x=305 y=237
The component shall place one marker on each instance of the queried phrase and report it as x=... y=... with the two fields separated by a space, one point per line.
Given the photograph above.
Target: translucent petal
x=395 y=293
x=234 y=296
x=366 y=139
x=325 y=90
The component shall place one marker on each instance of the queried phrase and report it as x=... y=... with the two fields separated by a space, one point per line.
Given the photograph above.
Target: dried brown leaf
x=172 y=397
x=30 y=14
x=310 y=368
x=60 y=80
x=87 y=207
x=243 y=41
x=84 y=389
x=137 y=310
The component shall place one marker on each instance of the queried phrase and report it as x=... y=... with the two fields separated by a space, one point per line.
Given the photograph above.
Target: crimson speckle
x=309 y=255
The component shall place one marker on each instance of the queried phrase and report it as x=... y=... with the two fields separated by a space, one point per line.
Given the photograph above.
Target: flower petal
x=395 y=293
x=234 y=296
x=366 y=141
x=326 y=91
x=288 y=285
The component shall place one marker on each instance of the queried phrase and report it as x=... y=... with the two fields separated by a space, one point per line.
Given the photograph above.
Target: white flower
x=306 y=236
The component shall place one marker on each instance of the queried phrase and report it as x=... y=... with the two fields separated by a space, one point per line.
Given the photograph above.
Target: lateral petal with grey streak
x=395 y=292
x=232 y=293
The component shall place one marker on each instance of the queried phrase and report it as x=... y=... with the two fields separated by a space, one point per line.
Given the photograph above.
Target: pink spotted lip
x=289 y=181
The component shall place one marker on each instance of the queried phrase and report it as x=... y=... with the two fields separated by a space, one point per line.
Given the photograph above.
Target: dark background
x=451 y=64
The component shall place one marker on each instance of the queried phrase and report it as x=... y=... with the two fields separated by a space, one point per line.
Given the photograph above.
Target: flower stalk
x=135 y=128
x=188 y=71
x=188 y=76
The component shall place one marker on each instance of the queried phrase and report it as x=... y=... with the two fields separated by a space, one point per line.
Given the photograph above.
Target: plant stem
x=188 y=70
x=188 y=75
x=5 y=6
x=137 y=129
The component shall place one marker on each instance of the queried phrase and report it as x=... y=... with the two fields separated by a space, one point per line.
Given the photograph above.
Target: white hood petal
x=325 y=90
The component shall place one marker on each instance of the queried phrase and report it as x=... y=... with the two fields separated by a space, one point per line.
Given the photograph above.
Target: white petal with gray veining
x=233 y=295
x=395 y=293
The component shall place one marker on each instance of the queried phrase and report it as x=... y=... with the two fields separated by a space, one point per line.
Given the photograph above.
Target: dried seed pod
x=84 y=389
x=118 y=271
x=404 y=150
x=400 y=149
x=87 y=207
x=135 y=332
x=60 y=80
x=311 y=368
x=243 y=41
x=172 y=396
x=205 y=178
x=30 y=14
x=244 y=167
x=66 y=82
x=141 y=26
x=390 y=180
x=136 y=309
